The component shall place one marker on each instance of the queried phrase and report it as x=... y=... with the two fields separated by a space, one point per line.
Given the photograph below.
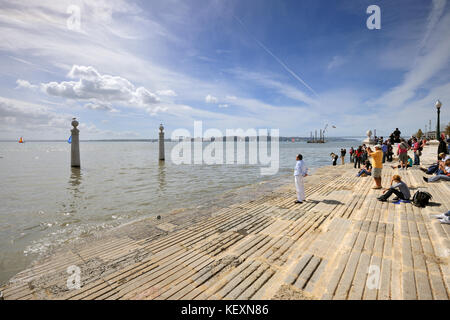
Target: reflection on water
x=41 y=204
x=162 y=175
x=75 y=178
x=74 y=188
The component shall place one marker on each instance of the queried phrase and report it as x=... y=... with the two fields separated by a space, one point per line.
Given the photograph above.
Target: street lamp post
x=438 y=129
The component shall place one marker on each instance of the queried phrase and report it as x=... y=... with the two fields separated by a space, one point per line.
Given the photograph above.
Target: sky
x=124 y=67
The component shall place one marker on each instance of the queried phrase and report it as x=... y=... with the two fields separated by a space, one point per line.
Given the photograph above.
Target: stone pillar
x=161 y=143
x=75 y=145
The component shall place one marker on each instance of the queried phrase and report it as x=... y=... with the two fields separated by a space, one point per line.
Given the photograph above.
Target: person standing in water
x=299 y=173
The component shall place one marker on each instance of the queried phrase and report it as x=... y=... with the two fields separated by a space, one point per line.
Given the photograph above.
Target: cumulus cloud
x=105 y=89
x=211 y=99
x=143 y=97
x=83 y=72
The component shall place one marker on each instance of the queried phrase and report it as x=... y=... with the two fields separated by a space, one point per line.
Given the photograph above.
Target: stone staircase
x=340 y=244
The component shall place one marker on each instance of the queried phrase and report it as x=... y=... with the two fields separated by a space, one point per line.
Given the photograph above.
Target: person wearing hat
x=300 y=172
x=377 y=164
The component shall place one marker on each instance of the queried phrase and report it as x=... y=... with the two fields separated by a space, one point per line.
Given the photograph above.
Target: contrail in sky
x=292 y=73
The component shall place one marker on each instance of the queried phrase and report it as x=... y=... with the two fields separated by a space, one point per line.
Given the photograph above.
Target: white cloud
x=211 y=99
x=168 y=93
x=438 y=7
x=100 y=106
x=30 y=116
x=223 y=105
x=35 y=121
x=154 y=111
x=105 y=89
x=25 y=84
x=83 y=72
x=143 y=97
x=435 y=59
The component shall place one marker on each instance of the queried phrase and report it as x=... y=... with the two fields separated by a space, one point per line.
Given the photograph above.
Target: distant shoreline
x=282 y=139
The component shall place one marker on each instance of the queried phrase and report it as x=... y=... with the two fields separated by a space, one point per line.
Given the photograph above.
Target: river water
x=45 y=203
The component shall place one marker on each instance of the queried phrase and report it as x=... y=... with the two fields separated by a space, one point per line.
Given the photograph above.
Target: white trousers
x=300 y=187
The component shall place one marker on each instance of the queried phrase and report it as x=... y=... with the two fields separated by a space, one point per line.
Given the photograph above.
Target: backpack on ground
x=421 y=199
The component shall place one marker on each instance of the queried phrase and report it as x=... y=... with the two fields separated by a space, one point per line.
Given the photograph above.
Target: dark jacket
x=442 y=147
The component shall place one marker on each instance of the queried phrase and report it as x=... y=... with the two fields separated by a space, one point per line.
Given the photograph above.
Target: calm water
x=44 y=202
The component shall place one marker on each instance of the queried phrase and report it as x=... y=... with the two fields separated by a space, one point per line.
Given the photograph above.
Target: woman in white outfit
x=300 y=172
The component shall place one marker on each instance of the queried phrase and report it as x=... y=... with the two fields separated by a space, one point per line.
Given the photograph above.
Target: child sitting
x=409 y=164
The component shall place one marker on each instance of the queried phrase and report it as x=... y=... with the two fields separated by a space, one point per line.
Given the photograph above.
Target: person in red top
x=351 y=154
x=358 y=157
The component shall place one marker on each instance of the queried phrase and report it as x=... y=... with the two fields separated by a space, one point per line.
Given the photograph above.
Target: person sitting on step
x=445 y=175
x=434 y=168
x=401 y=194
x=409 y=164
x=366 y=170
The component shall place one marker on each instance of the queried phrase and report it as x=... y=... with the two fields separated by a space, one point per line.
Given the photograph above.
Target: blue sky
x=288 y=65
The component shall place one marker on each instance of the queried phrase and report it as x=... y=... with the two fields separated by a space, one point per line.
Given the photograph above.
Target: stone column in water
x=161 y=142
x=75 y=145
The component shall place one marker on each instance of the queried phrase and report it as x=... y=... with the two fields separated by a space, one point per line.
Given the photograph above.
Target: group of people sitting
x=440 y=170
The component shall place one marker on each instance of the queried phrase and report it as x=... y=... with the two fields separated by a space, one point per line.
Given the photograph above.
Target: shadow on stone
x=434 y=204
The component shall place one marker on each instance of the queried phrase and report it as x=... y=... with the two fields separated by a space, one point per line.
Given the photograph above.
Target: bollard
x=161 y=143
x=75 y=145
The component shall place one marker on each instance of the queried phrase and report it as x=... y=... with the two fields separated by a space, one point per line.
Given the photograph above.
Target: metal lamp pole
x=438 y=128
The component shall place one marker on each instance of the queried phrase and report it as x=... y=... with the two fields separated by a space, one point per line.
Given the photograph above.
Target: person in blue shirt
x=384 y=148
x=299 y=173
